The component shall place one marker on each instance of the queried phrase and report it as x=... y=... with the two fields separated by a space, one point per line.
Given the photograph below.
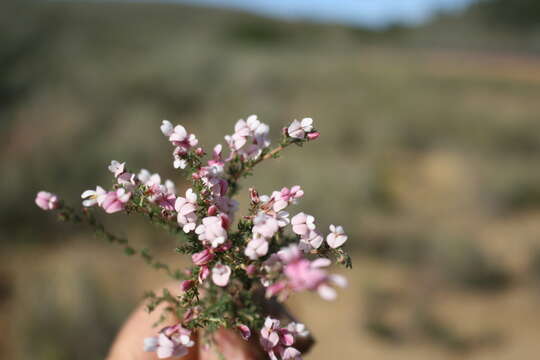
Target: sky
x=371 y=13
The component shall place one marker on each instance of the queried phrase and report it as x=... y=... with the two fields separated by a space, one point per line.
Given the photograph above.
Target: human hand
x=128 y=344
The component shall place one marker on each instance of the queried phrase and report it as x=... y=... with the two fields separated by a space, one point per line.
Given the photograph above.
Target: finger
x=128 y=344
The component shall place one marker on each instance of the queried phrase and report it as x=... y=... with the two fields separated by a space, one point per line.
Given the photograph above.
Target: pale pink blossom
x=204 y=272
x=277 y=341
x=313 y=240
x=244 y=330
x=291 y=353
x=149 y=179
x=303 y=274
x=298 y=129
x=286 y=196
x=337 y=236
x=166 y=128
x=221 y=274
x=313 y=135
x=249 y=139
x=115 y=201
x=282 y=218
x=226 y=205
x=93 y=197
x=180 y=138
x=275 y=288
x=256 y=248
x=269 y=334
x=217 y=163
x=298 y=329
x=202 y=257
x=289 y=254
x=117 y=168
x=179 y=162
x=127 y=180
x=186 y=208
x=172 y=341
x=302 y=224
x=212 y=231
x=265 y=225
x=47 y=200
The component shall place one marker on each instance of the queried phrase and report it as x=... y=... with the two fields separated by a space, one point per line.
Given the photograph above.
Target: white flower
x=337 y=236
x=256 y=248
x=313 y=240
x=186 y=207
x=149 y=179
x=166 y=128
x=265 y=225
x=302 y=224
x=117 y=168
x=299 y=129
x=212 y=231
x=221 y=274
x=93 y=197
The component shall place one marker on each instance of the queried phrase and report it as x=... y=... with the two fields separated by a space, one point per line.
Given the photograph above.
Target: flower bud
x=203 y=257
x=313 y=135
x=186 y=285
x=254 y=196
x=212 y=210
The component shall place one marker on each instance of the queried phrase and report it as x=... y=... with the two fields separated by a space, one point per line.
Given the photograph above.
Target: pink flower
x=256 y=248
x=204 y=272
x=298 y=329
x=245 y=331
x=298 y=129
x=221 y=274
x=291 y=353
x=180 y=137
x=303 y=224
x=117 y=168
x=337 y=236
x=186 y=209
x=149 y=179
x=313 y=240
x=265 y=225
x=94 y=197
x=202 y=257
x=277 y=340
x=292 y=194
x=289 y=254
x=313 y=135
x=275 y=289
x=186 y=285
x=47 y=200
x=249 y=138
x=211 y=231
x=179 y=162
x=172 y=341
x=216 y=164
x=269 y=334
x=303 y=274
x=114 y=201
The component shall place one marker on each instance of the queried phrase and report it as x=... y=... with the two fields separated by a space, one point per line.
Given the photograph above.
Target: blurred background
x=429 y=157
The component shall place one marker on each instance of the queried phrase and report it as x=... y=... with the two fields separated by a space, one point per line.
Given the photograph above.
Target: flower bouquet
x=237 y=261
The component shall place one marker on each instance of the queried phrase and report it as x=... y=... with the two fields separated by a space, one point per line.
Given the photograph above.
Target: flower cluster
x=267 y=251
